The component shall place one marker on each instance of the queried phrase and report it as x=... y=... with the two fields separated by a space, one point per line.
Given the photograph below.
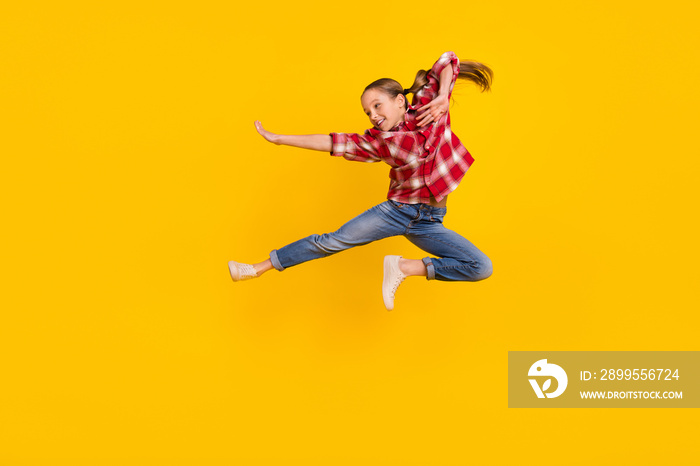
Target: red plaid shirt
x=424 y=161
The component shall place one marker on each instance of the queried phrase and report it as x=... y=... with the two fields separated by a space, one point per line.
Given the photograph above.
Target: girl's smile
x=383 y=111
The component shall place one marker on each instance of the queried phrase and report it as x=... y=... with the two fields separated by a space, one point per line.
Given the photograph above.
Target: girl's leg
x=381 y=221
x=457 y=258
x=413 y=267
x=377 y=223
x=262 y=267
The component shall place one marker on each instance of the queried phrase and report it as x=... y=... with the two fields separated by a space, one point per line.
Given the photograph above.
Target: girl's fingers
x=260 y=129
x=425 y=115
x=428 y=114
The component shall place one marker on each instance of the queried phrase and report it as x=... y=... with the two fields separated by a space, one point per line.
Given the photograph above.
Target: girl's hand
x=433 y=111
x=271 y=137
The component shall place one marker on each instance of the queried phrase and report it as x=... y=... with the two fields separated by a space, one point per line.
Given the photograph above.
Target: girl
x=427 y=163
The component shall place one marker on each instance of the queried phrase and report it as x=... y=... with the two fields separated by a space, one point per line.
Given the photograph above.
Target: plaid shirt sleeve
x=357 y=147
x=430 y=90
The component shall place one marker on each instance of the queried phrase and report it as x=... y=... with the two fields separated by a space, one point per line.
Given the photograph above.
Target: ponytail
x=420 y=81
x=473 y=71
x=478 y=73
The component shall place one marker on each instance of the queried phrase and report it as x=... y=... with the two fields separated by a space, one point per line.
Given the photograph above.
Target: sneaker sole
x=233 y=270
x=387 y=268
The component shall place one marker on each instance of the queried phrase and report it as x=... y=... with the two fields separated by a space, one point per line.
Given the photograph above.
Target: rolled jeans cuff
x=429 y=267
x=275 y=260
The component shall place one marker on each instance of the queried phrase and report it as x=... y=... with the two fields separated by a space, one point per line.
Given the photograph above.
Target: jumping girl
x=427 y=163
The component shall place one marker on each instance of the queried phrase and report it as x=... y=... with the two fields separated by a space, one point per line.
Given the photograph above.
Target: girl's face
x=383 y=111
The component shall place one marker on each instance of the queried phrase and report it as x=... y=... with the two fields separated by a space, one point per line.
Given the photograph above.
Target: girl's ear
x=402 y=100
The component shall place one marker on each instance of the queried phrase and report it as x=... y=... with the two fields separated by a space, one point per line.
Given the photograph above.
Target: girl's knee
x=331 y=243
x=325 y=243
x=475 y=268
x=484 y=268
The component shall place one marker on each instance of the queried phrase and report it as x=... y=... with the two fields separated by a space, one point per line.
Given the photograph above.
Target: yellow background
x=131 y=173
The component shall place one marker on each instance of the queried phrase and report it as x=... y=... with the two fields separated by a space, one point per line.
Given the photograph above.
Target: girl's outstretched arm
x=321 y=142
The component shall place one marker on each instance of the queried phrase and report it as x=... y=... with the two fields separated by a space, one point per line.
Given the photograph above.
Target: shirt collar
x=408 y=123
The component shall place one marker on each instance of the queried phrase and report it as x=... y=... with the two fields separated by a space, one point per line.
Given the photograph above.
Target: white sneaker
x=241 y=271
x=392 y=279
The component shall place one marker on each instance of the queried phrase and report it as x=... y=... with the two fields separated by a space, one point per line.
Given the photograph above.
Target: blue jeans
x=458 y=259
